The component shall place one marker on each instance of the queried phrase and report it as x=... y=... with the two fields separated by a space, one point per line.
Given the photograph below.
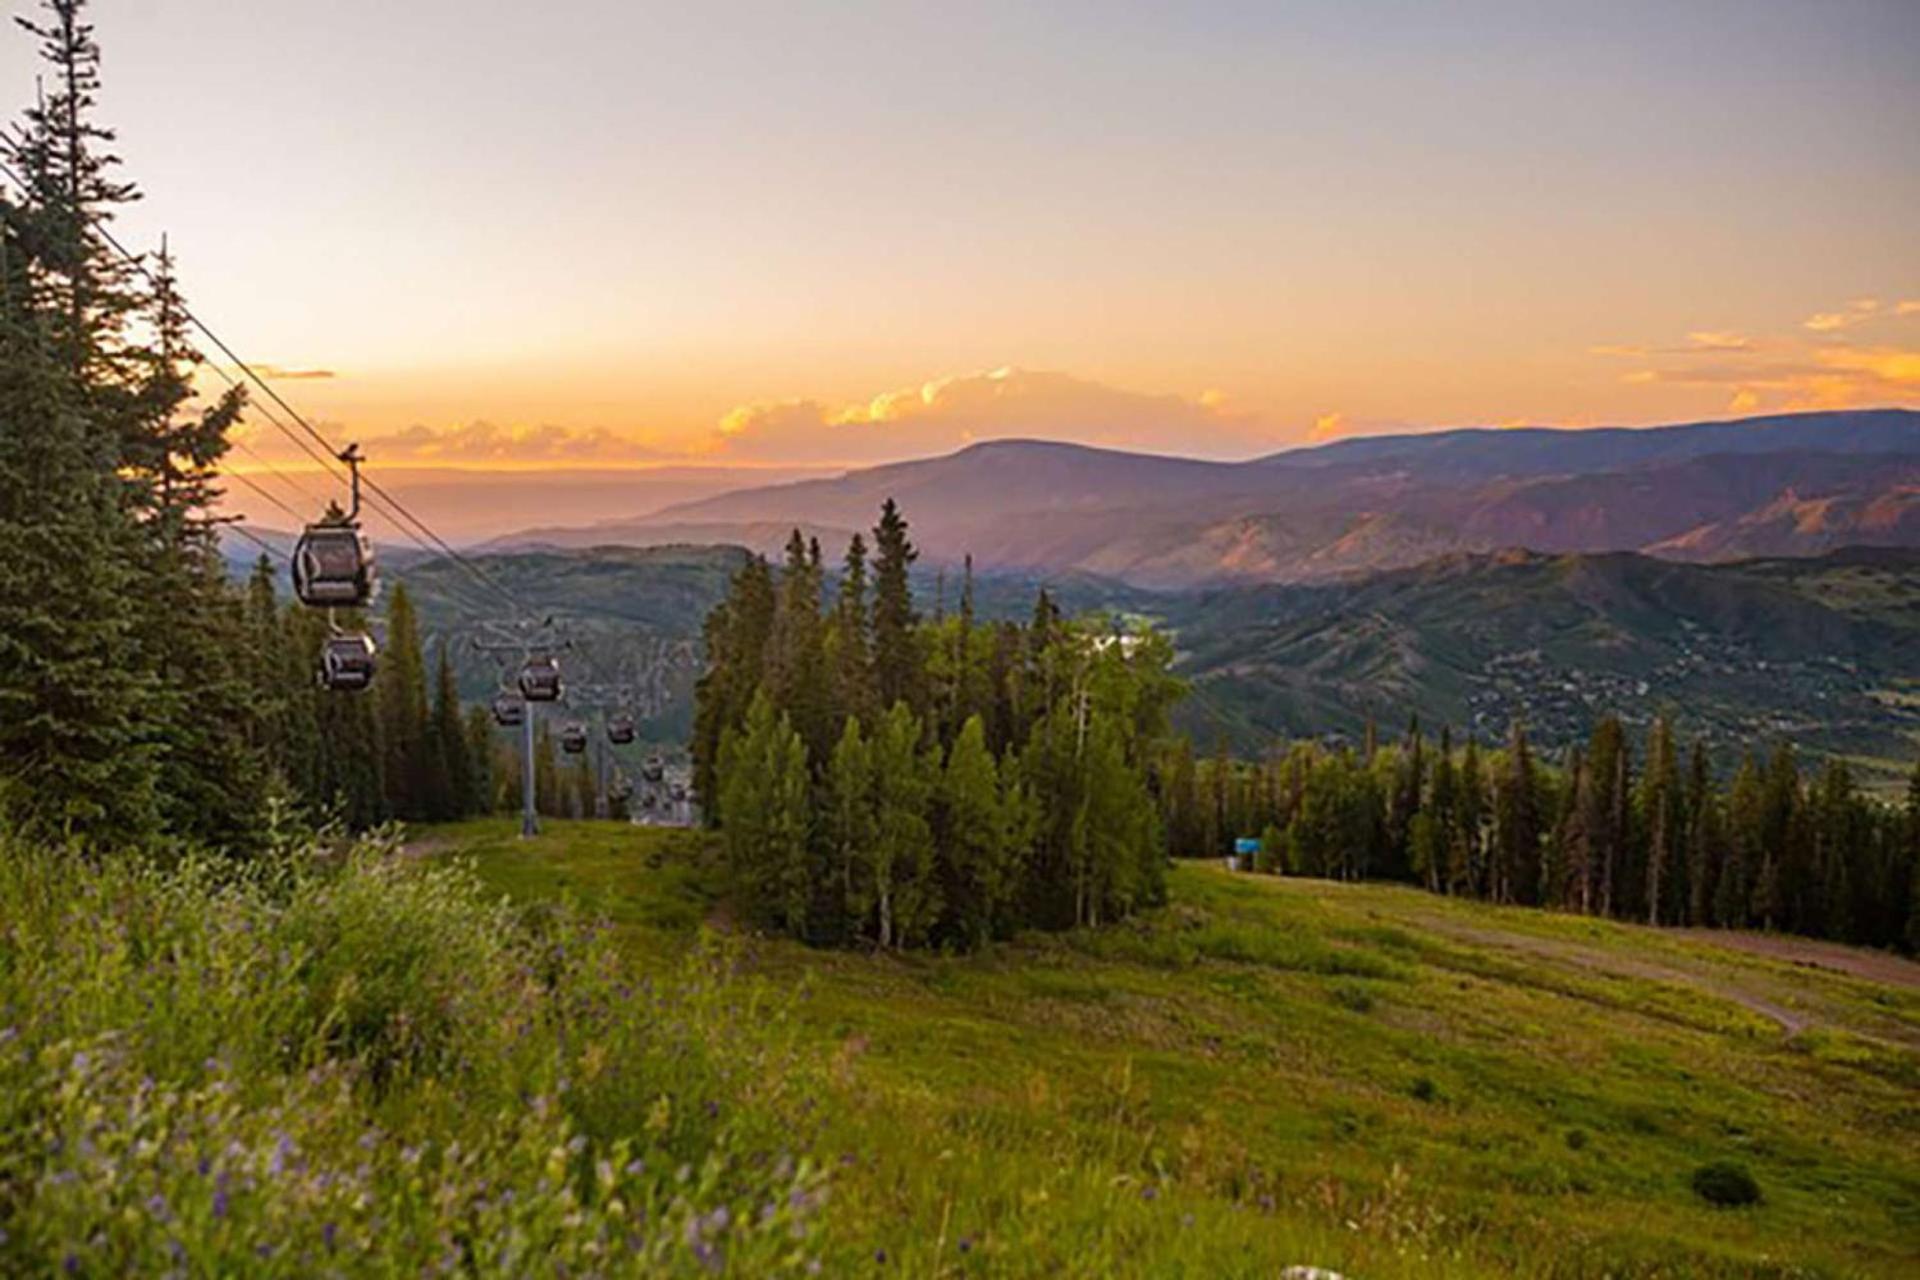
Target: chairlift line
x=398 y=512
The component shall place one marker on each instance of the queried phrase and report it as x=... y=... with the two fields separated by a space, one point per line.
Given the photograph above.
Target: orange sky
x=599 y=233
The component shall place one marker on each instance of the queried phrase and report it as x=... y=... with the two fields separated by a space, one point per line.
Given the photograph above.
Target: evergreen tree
x=853 y=636
x=482 y=784
x=896 y=658
x=400 y=694
x=977 y=883
x=797 y=650
x=1706 y=853
x=1660 y=809
x=1733 y=891
x=77 y=748
x=1516 y=824
x=456 y=792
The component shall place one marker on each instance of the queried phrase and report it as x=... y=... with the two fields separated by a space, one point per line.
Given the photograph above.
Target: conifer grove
x=1648 y=835
x=883 y=779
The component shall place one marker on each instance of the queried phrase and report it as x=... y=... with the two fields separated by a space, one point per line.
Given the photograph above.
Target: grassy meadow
x=1275 y=1072
x=473 y=1055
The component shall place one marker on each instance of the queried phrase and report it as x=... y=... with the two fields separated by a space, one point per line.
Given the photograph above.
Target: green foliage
x=1004 y=784
x=364 y=1066
x=1725 y=1183
x=1597 y=836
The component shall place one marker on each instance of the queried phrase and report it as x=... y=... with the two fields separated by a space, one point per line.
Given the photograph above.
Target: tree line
x=142 y=694
x=1651 y=836
x=880 y=778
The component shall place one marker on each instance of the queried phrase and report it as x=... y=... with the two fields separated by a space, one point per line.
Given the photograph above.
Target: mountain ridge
x=1712 y=491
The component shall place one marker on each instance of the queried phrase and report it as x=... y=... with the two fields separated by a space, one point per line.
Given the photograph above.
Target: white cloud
x=949 y=413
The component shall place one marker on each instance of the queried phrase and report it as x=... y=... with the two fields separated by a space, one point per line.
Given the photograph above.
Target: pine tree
x=400 y=694
x=896 y=657
x=976 y=882
x=797 y=650
x=453 y=787
x=853 y=636
x=1516 y=824
x=1705 y=839
x=77 y=750
x=482 y=785
x=1660 y=801
x=1465 y=866
x=1733 y=892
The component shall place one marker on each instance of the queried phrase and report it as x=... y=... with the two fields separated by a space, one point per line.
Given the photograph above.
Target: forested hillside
x=1824 y=652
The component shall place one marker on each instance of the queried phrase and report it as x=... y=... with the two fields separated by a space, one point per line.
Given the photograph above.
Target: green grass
x=1274 y=1072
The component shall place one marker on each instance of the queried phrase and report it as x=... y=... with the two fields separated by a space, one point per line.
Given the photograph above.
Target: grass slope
x=1276 y=1072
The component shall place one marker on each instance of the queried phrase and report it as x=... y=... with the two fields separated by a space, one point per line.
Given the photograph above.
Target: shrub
x=365 y=1067
x=1725 y=1183
x=1424 y=1089
x=1353 y=996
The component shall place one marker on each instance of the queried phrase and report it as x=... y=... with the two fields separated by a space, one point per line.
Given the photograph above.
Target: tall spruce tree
x=77 y=745
x=400 y=693
x=896 y=655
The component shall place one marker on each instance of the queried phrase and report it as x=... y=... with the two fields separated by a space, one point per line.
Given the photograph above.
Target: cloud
x=1718 y=340
x=486 y=444
x=1819 y=366
x=1859 y=311
x=950 y=413
x=279 y=373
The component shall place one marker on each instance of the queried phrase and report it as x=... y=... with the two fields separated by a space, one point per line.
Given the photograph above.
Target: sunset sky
x=607 y=233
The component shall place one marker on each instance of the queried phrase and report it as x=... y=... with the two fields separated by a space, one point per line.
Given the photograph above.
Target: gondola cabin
x=540 y=680
x=620 y=729
x=654 y=770
x=573 y=738
x=509 y=712
x=333 y=567
x=346 y=662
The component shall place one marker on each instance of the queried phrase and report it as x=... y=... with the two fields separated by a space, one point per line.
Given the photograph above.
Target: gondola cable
x=399 y=514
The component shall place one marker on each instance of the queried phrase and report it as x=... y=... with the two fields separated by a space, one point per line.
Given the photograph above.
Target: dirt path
x=425 y=847
x=1874 y=966
x=1790 y=1021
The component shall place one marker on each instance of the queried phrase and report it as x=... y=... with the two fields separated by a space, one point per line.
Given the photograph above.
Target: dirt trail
x=1789 y=1021
x=1874 y=966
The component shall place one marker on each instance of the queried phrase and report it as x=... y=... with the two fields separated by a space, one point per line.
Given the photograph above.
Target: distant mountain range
x=1798 y=484
x=1824 y=650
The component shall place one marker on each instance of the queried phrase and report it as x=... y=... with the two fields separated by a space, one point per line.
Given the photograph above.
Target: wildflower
x=220 y=1202
x=880 y=1255
x=329 y=1234
x=1149 y=1192
x=966 y=1244
x=157 y=1205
